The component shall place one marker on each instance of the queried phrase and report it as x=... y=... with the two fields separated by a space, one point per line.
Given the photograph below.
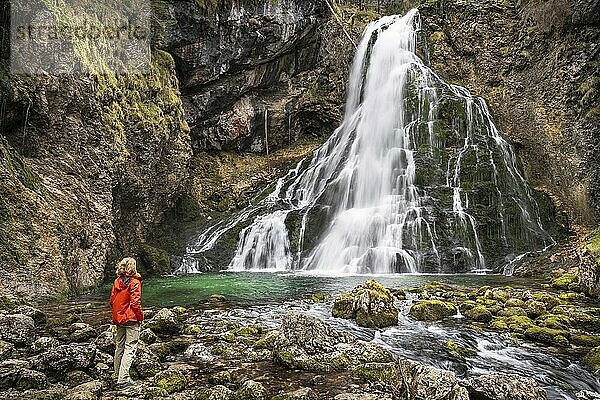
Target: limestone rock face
x=504 y=386
x=371 y=305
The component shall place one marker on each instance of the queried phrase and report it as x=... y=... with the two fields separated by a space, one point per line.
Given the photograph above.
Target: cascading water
x=416 y=179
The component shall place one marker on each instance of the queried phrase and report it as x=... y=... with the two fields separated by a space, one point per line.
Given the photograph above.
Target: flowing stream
x=416 y=179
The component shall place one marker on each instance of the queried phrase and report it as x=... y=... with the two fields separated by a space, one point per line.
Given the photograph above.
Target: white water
x=359 y=194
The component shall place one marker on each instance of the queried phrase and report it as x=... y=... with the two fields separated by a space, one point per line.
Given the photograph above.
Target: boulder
x=18 y=329
x=64 y=358
x=432 y=310
x=105 y=342
x=499 y=386
x=592 y=359
x=38 y=316
x=86 y=391
x=478 y=314
x=164 y=322
x=81 y=332
x=300 y=394
x=306 y=342
x=175 y=346
x=251 y=390
x=147 y=336
x=75 y=378
x=587 y=395
x=218 y=392
x=171 y=380
x=9 y=372
x=30 y=379
x=371 y=305
x=44 y=343
x=535 y=308
x=510 y=311
x=220 y=378
x=6 y=350
x=146 y=364
x=550 y=336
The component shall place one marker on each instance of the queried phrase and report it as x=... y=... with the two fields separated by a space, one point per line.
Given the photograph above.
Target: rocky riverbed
x=227 y=350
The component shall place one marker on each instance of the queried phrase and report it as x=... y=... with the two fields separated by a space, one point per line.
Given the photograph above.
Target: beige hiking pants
x=126 y=341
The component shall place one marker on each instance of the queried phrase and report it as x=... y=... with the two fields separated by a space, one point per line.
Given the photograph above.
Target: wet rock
x=106 y=342
x=300 y=394
x=6 y=349
x=479 y=314
x=175 y=346
x=251 y=390
x=459 y=351
x=425 y=382
x=170 y=380
x=86 y=391
x=217 y=297
x=371 y=305
x=515 y=302
x=164 y=322
x=585 y=340
x=38 y=316
x=17 y=329
x=44 y=343
x=179 y=310
x=75 y=378
x=432 y=310
x=147 y=336
x=549 y=300
x=192 y=329
x=584 y=321
x=81 y=332
x=566 y=281
x=30 y=379
x=554 y=321
x=146 y=364
x=267 y=341
x=306 y=342
x=220 y=378
x=547 y=335
x=510 y=311
x=587 y=395
x=215 y=393
x=592 y=359
x=64 y=358
x=504 y=387
x=535 y=308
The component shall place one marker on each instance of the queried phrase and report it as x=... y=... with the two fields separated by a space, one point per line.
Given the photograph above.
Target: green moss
x=510 y=311
x=593 y=245
x=432 y=310
x=459 y=351
x=171 y=380
x=192 y=330
x=378 y=372
x=479 y=314
x=518 y=323
x=557 y=337
x=585 y=340
x=154 y=261
x=561 y=322
x=249 y=330
x=565 y=281
x=592 y=359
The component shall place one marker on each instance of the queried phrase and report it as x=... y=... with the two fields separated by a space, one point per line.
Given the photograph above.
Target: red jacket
x=126 y=299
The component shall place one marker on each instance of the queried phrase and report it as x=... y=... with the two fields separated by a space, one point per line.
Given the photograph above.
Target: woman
x=126 y=303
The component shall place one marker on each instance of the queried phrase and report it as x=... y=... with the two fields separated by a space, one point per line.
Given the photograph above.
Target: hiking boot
x=127 y=385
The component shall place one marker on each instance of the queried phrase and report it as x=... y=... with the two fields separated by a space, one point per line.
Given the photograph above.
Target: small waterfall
x=416 y=179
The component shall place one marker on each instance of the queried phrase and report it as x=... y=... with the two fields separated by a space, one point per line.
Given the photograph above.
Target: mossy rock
x=552 y=321
x=518 y=323
x=557 y=337
x=220 y=378
x=585 y=340
x=171 y=380
x=218 y=392
x=217 y=297
x=370 y=305
x=300 y=394
x=192 y=330
x=571 y=296
x=249 y=330
x=500 y=295
x=378 y=372
x=535 y=308
x=499 y=323
x=267 y=341
x=479 y=314
x=459 y=351
x=549 y=300
x=515 y=302
x=566 y=281
x=510 y=311
x=584 y=321
x=592 y=359
x=251 y=390
x=432 y=310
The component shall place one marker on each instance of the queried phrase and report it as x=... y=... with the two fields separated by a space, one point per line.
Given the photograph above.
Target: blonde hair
x=126 y=266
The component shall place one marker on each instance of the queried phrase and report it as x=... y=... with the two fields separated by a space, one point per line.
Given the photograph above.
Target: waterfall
x=416 y=179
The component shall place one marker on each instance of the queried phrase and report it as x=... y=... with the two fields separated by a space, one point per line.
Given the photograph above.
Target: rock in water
x=499 y=386
x=432 y=310
x=306 y=342
x=164 y=322
x=371 y=305
x=251 y=390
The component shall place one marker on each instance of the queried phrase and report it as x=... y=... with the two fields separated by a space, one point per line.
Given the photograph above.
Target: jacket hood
x=123 y=281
